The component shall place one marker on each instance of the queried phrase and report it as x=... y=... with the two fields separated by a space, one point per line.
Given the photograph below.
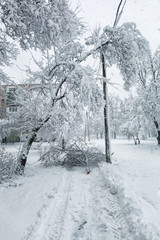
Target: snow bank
x=127 y=200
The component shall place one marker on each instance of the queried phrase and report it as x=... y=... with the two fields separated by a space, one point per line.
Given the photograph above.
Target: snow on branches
x=123 y=46
x=8 y=50
x=126 y=47
x=39 y=24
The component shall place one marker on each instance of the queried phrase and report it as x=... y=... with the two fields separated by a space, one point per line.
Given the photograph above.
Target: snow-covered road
x=67 y=204
x=60 y=204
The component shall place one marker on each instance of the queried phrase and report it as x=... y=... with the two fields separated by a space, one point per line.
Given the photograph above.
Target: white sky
x=145 y=13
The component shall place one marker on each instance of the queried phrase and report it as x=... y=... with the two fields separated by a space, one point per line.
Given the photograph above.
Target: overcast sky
x=145 y=13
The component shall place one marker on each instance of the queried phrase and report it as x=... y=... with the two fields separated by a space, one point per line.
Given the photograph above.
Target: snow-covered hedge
x=8 y=165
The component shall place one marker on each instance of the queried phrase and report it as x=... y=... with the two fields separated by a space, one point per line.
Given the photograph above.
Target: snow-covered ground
x=142 y=175
x=136 y=170
x=113 y=202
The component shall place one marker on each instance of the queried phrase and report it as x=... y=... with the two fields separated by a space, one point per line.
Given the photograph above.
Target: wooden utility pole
x=105 y=88
x=106 y=112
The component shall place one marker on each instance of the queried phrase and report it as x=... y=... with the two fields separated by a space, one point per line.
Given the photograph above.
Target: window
x=12 y=89
x=13 y=109
x=11 y=97
x=2 y=101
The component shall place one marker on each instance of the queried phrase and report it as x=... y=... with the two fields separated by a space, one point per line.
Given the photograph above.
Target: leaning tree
x=64 y=86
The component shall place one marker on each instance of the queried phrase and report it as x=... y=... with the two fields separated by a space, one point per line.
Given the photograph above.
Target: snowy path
x=61 y=205
x=49 y=223
x=136 y=173
x=81 y=207
x=107 y=220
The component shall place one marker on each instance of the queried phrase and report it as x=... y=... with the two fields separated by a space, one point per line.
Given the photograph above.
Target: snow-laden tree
x=97 y=125
x=154 y=92
x=123 y=46
x=8 y=52
x=136 y=123
x=54 y=108
x=127 y=118
x=149 y=89
x=51 y=27
x=126 y=49
x=39 y=23
x=116 y=114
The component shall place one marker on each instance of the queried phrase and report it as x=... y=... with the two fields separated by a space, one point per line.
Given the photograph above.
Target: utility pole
x=106 y=112
x=105 y=88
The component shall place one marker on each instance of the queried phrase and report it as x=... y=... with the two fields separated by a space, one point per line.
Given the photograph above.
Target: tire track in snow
x=108 y=215
x=50 y=218
x=82 y=209
x=118 y=225
x=76 y=218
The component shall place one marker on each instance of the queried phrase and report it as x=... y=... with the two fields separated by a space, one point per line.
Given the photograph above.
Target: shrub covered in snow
x=8 y=165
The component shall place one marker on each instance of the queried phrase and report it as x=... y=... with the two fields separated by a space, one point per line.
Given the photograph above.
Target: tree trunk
x=88 y=132
x=135 y=141
x=24 y=152
x=158 y=137
x=158 y=131
x=88 y=128
x=85 y=132
x=27 y=145
x=63 y=143
x=106 y=115
x=101 y=134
